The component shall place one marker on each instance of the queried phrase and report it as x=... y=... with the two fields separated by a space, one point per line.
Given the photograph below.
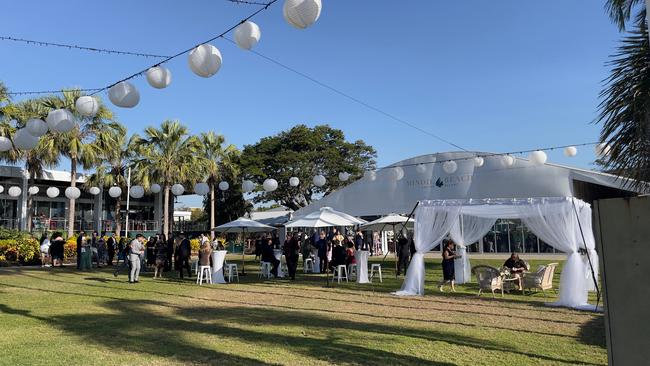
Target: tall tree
x=116 y=153
x=624 y=111
x=79 y=144
x=304 y=152
x=218 y=162
x=167 y=155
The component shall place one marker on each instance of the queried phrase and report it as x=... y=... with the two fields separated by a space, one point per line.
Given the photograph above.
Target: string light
x=82 y=48
x=247 y=2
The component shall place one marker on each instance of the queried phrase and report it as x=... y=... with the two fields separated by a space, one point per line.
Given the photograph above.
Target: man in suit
x=184 y=253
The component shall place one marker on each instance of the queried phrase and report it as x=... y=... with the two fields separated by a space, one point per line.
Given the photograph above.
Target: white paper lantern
x=155 y=188
x=72 y=193
x=294 y=181
x=136 y=192
x=36 y=127
x=94 y=190
x=60 y=120
x=5 y=144
x=224 y=186
x=319 y=180
x=115 y=192
x=247 y=35
x=370 y=175
x=205 y=60
x=344 y=176
x=570 y=151
x=52 y=192
x=537 y=157
x=247 y=186
x=87 y=106
x=201 y=188
x=301 y=13
x=421 y=168
x=270 y=185
x=24 y=140
x=397 y=173
x=508 y=161
x=479 y=161
x=14 y=191
x=159 y=77
x=450 y=166
x=602 y=149
x=33 y=190
x=124 y=94
x=178 y=189
x=2 y=189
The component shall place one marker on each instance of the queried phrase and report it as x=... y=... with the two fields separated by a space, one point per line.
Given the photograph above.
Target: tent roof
x=325 y=217
x=384 y=194
x=386 y=222
x=243 y=224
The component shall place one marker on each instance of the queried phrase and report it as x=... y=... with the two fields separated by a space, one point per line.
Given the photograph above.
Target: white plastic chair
x=352 y=271
x=207 y=270
x=341 y=272
x=309 y=266
x=232 y=271
x=265 y=269
x=373 y=267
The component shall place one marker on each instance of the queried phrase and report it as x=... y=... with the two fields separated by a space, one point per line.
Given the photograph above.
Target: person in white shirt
x=137 y=249
x=45 y=249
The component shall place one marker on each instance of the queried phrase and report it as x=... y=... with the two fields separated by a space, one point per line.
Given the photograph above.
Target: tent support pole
x=591 y=266
x=243 y=249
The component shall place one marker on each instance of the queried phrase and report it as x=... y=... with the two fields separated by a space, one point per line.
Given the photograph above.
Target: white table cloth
x=218 y=257
x=361 y=257
x=278 y=255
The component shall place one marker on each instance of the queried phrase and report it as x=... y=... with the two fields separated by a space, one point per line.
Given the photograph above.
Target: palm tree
x=625 y=107
x=115 y=153
x=45 y=155
x=167 y=155
x=216 y=160
x=78 y=145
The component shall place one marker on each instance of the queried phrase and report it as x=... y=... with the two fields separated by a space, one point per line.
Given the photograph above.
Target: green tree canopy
x=304 y=152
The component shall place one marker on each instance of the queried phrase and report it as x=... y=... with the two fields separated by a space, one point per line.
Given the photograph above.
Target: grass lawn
x=63 y=317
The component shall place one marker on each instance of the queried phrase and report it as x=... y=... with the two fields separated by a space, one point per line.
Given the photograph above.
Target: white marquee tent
x=562 y=222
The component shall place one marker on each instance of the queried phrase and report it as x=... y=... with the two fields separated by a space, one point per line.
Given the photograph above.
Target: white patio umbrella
x=392 y=220
x=243 y=225
x=325 y=217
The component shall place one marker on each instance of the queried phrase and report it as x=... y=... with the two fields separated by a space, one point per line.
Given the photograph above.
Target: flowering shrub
x=17 y=246
x=194 y=243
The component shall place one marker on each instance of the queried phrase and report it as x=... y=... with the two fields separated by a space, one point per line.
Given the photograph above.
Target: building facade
x=92 y=212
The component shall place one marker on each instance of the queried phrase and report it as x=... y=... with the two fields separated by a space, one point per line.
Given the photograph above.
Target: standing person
x=80 y=240
x=161 y=258
x=110 y=249
x=121 y=245
x=170 y=250
x=448 y=255
x=101 y=251
x=321 y=244
x=292 y=253
x=45 y=249
x=94 y=251
x=359 y=243
x=205 y=254
x=137 y=249
x=403 y=254
x=184 y=254
x=57 y=249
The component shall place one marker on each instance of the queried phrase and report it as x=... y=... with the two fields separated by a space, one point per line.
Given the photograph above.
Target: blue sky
x=493 y=76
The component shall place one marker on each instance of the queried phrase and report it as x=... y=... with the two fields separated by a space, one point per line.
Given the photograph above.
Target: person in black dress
x=403 y=254
x=448 y=256
x=184 y=252
x=110 y=248
x=269 y=256
x=292 y=253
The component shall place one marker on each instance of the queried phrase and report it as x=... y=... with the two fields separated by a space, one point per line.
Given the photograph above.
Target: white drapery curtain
x=556 y=224
x=432 y=223
x=584 y=212
x=467 y=230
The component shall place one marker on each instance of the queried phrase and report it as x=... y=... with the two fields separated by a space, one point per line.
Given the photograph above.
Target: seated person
x=349 y=255
x=515 y=264
x=269 y=256
x=205 y=253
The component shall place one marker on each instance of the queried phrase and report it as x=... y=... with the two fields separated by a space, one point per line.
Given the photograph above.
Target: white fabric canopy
x=388 y=221
x=557 y=221
x=325 y=217
x=243 y=224
x=467 y=230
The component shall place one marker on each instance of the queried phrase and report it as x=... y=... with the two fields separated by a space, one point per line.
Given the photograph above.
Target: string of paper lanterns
x=201 y=188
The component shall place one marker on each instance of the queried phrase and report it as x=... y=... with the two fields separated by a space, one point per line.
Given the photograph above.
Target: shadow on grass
x=131 y=320
x=592 y=332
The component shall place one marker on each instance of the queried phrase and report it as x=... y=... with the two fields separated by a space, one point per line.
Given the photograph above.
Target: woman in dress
x=57 y=250
x=45 y=249
x=448 y=256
